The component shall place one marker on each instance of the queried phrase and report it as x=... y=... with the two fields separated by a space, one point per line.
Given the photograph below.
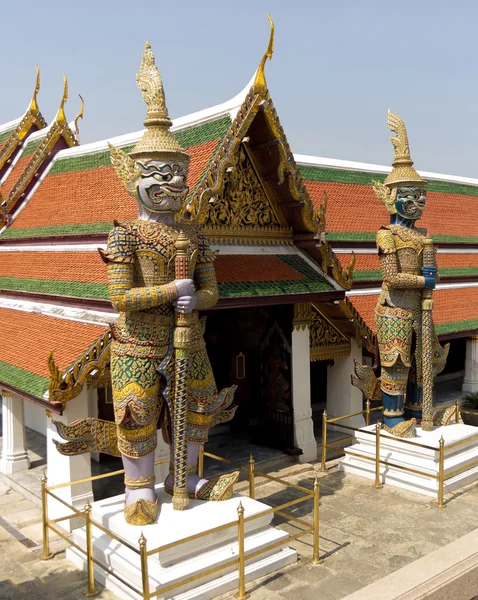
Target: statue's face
x=161 y=186
x=410 y=202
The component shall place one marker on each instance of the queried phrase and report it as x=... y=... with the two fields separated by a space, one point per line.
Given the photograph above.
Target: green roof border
x=322 y=174
x=23 y=380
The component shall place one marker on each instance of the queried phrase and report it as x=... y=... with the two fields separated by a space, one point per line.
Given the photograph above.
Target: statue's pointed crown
x=403 y=171
x=157 y=143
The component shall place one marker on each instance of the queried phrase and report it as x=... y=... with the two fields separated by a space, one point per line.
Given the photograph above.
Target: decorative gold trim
x=302 y=316
x=58 y=129
x=30 y=118
x=260 y=85
x=79 y=116
x=135 y=483
x=331 y=266
x=68 y=385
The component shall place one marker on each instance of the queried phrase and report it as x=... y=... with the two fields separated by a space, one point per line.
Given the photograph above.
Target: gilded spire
x=157 y=142
x=33 y=108
x=79 y=116
x=60 y=115
x=260 y=85
x=403 y=171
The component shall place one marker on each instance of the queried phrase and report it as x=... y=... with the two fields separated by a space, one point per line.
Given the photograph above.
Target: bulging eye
x=167 y=177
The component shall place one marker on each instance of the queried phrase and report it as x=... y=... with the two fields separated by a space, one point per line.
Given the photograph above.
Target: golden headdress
x=403 y=172
x=157 y=143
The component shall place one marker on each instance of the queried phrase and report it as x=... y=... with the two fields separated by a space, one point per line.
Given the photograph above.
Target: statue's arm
x=389 y=264
x=205 y=277
x=123 y=295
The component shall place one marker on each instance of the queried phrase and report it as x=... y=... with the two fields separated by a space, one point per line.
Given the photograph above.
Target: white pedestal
x=411 y=456
x=190 y=559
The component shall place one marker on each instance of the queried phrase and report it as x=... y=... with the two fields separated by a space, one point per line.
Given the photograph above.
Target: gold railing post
x=252 y=490
x=241 y=591
x=201 y=461
x=457 y=411
x=378 y=483
x=46 y=554
x=324 y=442
x=441 y=474
x=144 y=566
x=367 y=412
x=315 y=557
x=90 y=566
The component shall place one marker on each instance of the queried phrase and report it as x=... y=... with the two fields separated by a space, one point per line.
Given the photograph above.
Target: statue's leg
x=139 y=478
x=394 y=384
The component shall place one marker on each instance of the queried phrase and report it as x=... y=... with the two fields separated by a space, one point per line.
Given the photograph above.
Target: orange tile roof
x=355 y=208
x=59 y=266
x=27 y=338
x=7 y=185
x=450 y=306
x=93 y=195
x=242 y=268
x=370 y=262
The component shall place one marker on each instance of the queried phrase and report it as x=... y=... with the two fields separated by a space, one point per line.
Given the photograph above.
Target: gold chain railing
x=145 y=593
x=379 y=435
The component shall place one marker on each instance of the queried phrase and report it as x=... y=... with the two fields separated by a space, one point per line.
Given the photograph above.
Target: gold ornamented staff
x=427 y=339
x=182 y=342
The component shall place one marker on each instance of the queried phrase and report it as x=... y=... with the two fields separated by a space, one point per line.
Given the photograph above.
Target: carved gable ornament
x=326 y=341
x=243 y=213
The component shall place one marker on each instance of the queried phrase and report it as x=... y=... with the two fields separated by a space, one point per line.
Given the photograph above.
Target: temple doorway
x=251 y=348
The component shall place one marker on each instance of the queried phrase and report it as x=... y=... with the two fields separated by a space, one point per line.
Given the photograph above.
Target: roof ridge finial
x=79 y=116
x=260 y=85
x=60 y=115
x=33 y=108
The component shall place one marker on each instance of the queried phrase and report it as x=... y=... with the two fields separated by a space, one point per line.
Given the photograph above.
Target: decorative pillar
x=342 y=397
x=14 y=452
x=61 y=469
x=303 y=425
x=470 y=381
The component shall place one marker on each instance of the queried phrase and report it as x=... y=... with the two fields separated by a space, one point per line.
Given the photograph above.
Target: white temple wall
x=35 y=417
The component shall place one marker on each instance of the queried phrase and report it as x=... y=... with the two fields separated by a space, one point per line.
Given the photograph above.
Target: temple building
x=297 y=268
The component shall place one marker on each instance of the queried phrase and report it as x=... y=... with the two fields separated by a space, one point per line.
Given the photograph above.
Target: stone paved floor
x=365 y=534
x=23 y=575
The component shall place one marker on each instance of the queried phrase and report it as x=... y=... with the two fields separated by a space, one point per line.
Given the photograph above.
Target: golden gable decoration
x=326 y=341
x=243 y=211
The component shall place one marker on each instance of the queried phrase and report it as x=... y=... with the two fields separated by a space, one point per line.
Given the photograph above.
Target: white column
x=14 y=452
x=342 y=397
x=61 y=469
x=470 y=382
x=303 y=425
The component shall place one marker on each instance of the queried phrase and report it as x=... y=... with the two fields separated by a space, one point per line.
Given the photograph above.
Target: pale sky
x=337 y=67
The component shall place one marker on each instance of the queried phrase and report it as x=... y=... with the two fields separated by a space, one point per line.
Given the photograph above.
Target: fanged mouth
x=157 y=192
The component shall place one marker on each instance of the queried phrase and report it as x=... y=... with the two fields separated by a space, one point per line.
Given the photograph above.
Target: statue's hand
x=186 y=304
x=430 y=274
x=184 y=287
x=429 y=271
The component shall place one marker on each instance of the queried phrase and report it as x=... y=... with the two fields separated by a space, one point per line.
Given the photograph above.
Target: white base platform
x=186 y=560
x=411 y=456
